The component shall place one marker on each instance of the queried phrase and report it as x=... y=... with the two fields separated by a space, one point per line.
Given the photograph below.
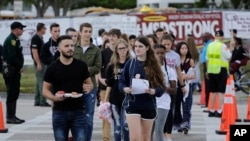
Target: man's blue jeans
x=89 y=101
x=65 y=120
x=120 y=125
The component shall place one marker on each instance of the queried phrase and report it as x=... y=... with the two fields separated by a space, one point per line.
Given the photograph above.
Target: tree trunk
x=57 y=11
x=40 y=14
x=235 y=3
x=56 y=7
x=41 y=8
x=66 y=6
x=241 y=5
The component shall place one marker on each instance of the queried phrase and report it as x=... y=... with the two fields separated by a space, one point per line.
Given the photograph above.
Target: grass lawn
x=28 y=81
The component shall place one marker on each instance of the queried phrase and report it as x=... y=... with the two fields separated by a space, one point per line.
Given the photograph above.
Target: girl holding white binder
x=140 y=105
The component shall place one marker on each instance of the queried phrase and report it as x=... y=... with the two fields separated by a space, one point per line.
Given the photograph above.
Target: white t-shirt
x=173 y=60
x=197 y=75
x=164 y=101
x=84 y=49
x=97 y=41
x=225 y=53
x=132 y=53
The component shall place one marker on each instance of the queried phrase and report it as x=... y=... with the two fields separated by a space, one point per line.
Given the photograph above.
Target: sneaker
x=185 y=130
x=219 y=115
x=211 y=114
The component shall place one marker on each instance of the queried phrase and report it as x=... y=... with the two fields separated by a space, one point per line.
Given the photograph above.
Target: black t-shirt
x=115 y=97
x=106 y=55
x=67 y=78
x=36 y=43
x=48 y=51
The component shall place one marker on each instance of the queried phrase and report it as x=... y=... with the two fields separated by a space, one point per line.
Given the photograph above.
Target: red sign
x=181 y=24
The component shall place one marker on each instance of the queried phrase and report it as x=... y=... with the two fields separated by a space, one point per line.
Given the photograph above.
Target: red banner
x=181 y=24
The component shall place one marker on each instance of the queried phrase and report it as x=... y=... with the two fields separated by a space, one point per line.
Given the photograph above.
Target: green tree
x=120 y=4
x=201 y=3
x=3 y=3
x=40 y=5
x=125 y=4
x=237 y=4
x=64 y=4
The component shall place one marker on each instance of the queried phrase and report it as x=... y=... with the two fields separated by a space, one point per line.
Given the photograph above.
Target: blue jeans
x=65 y=120
x=89 y=101
x=183 y=119
x=186 y=109
x=120 y=126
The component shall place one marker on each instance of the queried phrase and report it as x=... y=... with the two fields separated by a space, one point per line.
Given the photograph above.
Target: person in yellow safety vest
x=218 y=57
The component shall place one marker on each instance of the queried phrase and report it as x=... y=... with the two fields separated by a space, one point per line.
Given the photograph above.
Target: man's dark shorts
x=218 y=82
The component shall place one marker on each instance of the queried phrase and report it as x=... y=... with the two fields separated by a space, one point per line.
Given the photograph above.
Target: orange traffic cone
x=227 y=118
x=237 y=119
x=248 y=111
x=203 y=93
x=231 y=90
x=2 y=123
x=228 y=135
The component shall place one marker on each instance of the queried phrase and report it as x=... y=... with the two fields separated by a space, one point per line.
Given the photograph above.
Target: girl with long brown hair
x=182 y=121
x=140 y=106
x=195 y=56
x=113 y=95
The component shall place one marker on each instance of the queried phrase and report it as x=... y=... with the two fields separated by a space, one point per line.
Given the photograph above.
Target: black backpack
x=1 y=58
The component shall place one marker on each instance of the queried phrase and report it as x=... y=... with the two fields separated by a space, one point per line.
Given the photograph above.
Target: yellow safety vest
x=215 y=63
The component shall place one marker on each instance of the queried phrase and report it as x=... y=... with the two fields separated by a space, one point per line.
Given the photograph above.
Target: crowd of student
x=171 y=72
x=113 y=64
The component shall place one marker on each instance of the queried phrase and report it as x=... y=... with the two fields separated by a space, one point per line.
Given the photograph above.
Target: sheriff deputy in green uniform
x=12 y=69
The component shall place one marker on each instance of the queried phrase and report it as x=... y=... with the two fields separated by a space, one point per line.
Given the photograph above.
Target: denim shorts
x=146 y=114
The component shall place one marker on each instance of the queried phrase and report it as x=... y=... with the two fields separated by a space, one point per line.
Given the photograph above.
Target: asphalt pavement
x=38 y=126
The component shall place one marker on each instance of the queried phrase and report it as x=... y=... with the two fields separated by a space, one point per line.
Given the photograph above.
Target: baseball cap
x=15 y=25
x=233 y=30
x=219 y=33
